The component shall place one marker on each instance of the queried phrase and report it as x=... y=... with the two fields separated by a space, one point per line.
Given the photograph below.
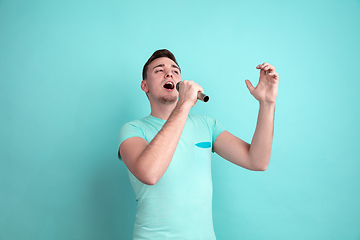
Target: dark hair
x=158 y=54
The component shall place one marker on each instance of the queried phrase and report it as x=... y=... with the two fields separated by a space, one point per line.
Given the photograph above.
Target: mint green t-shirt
x=179 y=205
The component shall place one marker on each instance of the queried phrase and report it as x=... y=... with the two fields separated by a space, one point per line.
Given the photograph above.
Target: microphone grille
x=177 y=86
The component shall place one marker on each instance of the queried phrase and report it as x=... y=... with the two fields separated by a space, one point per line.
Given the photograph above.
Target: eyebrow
x=163 y=65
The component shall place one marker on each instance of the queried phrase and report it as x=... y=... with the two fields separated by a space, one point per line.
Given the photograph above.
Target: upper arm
x=233 y=149
x=130 y=150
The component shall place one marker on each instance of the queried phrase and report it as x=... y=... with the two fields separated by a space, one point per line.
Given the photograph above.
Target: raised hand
x=267 y=89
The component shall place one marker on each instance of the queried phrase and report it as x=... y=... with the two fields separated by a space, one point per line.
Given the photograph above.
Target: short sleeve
x=217 y=129
x=127 y=131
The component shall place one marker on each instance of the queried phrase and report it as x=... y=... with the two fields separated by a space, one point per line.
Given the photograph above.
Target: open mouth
x=169 y=85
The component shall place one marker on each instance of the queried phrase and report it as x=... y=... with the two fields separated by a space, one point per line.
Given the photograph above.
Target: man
x=168 y=153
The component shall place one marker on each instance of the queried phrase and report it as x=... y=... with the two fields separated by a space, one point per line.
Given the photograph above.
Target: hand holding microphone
x=201 y=96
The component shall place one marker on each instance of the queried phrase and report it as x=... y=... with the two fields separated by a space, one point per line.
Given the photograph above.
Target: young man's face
x=162 y=76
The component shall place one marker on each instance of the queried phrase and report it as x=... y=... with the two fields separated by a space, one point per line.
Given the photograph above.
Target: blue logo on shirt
x=203 y=144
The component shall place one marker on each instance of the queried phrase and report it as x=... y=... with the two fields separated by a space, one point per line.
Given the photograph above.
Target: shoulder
x=130 y=126
x=140 y=123
x=133 y=123
x=132 y=129
x=129 y=130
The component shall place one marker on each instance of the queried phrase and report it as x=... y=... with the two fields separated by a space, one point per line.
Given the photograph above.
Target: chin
x=168 y=100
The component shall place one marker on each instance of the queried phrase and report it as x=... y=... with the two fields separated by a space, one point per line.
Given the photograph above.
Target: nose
x=168 y=74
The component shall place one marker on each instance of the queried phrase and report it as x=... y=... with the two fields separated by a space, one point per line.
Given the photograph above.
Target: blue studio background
x=70 y=74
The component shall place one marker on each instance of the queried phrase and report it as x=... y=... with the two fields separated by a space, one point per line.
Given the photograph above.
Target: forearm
x=260 y=148
x=156 y=157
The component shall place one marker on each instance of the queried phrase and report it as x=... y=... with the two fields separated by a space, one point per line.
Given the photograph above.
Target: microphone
x=200 y=95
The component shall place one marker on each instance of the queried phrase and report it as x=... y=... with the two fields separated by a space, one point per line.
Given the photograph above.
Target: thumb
x=249 y=85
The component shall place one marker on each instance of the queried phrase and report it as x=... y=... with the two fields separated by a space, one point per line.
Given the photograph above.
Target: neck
x=162 y=111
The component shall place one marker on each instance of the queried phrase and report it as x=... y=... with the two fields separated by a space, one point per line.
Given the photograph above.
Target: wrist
x=181 y=109
x=267 y=105
x=183 y=106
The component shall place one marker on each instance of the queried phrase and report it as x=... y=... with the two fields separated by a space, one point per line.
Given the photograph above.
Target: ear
x=144 y=86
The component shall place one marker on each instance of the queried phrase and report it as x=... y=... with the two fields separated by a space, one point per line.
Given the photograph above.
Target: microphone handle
x=201 y=96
